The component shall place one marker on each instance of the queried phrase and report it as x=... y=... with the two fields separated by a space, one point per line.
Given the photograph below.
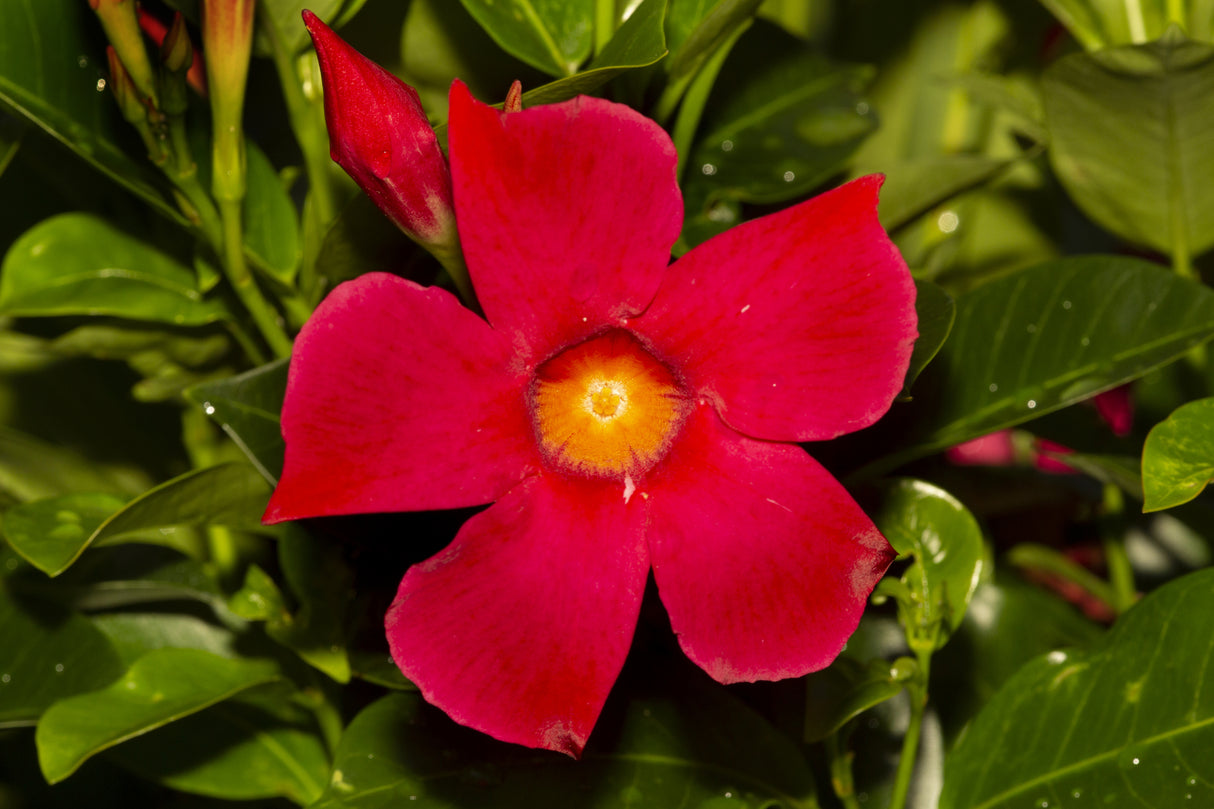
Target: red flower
x=621 y=413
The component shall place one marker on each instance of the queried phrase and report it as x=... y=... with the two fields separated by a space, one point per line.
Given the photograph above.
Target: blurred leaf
x=134 y=633
x=271 y=227
x=160 y=687
x=1178 y=456
x=49 y=534
x=1122 y=471
x=32 y=469
x=255 y=745
x=51 y=73
x=1100 y=23
x=50 y=653
x=936 y=312
x=378 y=668
x=781 y=120
x=1013 y=95
x=78 y=264
x=323 y=585
x=247 y=408
x=285 y=16
x=697 y=31
x=931 y=525
x=1050 y=336
x=915 y=187
x=1150 y=101
x=259 y=598
x=703 y=749
x=1131 y=717
x=846 y=689
x=554 y=36
x=639 y=42
x=124 y=341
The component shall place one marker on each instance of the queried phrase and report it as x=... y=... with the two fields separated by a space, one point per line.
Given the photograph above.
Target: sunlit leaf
x=78 y=264
x=160 y=687
x=1178 y=456
x=271 y=227
x=1129 y=722
x=50 y=533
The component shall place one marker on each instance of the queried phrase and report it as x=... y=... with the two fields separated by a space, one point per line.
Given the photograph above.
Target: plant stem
x=243 y=282
x=840 y=770
x=604 y=24
x=917 y=691
x=1121 y=573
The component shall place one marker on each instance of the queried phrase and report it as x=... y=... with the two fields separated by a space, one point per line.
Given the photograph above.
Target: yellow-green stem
x=1121 y=573
x=917 y=691
x=604 y=24
x=840 y=770
x=243 y=282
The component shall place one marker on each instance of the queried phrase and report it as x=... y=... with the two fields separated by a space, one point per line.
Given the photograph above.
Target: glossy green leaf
x=78 y=264
x=554 y=36
x=247 y=407
x=1050 y=336
x=49 y=653
x=323 y=585
x=932 y=526
x=231 y=494
x=271 y=227
x=714 y=24
x=135 y=631
x=257 y=744
x=1178 y=456
x=1149 y=101
x=712 y=753
x=840 y=693
x=1129 y=722
x=780 y=121
x=49 y=534
x=936 y=312
x=52 y=72
x=639 y=42
x=160 y=687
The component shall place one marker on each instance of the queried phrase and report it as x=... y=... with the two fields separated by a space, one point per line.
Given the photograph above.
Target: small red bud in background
x=158 y=32
x=379 y=133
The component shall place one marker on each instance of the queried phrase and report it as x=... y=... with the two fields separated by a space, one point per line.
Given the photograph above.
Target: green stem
x=917 y=691
x=243 y=282
x=247 y=344
x=1031 y=555
x=1121 y=573
x=840 y=770
x=604 y=24
x=1176 y=13
x=198 y=436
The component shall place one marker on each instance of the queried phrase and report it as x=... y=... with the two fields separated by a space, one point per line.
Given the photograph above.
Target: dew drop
x=708 y=169
x=1031 y=328
x=789 y=176
x=1077 y=793
x=862 y=108
x=1135 y=760
x=58 y=668
x=1085 y=341
x=1043 y=803
x=726 y=146
x=82 y=61
x=4 y=678
x=1066 y=304
x=992 y=387
x=948 y=221
x=1056 y=657
x=208 y=408
x=101 y=85
x=1031 y=404
x=1192 y=782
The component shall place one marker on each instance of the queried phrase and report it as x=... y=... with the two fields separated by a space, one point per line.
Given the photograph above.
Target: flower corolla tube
x=621 y=413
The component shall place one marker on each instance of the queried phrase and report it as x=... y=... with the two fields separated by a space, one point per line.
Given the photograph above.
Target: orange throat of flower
x=606 y=407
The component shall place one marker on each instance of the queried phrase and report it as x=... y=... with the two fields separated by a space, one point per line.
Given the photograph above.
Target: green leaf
x=639 y=42
x=52 y=72
x=928 y=523
x=49 y=534
x=916 y=186
x=78 y=264
x=285 y=16
x=160 y=687
x=554 y=36
x=936 y=312
x=1178 y=456
x=1100 y=23
x=712 y=28
x=323 y=585
x=840 y=693
x=1129 y=722
x=50 y=653
x=271 y=228
x=231 y=494
x=32 y=469
x=1049 y=336
x=780 y=122
x=247 y=408
x=1149 y=101
x=705 y=750
x=257 y=744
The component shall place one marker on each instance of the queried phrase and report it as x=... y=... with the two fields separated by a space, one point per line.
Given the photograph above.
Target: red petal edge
x=566 y=213
x=763 y=560
x=399 y=399
x=798 y=325
x=520 y=627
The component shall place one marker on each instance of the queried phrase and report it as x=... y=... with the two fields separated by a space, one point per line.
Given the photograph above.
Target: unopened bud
x=132 y=105
x=378 y=133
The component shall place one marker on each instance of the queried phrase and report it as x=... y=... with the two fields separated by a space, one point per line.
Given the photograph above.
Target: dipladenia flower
x=379 y=133
x=622 y=414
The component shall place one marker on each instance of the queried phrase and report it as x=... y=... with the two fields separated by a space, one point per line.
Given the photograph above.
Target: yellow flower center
x=606 y=407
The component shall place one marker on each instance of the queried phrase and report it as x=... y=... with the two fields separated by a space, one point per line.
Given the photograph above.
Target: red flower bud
x=379 y=134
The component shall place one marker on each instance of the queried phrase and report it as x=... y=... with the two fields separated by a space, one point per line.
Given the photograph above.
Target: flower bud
x=132 y=105
x=227 y=43
x=379 y=134
x=172 y=48
x=122 y=30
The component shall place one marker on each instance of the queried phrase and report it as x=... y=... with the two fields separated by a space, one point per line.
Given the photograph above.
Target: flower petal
x=399 y=399
x=520 y=627
x=799 y=325
x=566 y=213
x=763 y=560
